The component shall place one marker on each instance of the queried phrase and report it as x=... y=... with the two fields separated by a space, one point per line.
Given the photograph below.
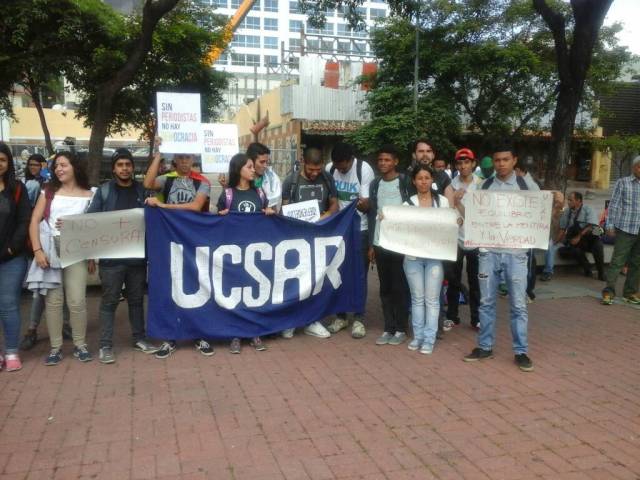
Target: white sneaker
x=447 y=325
x=357 y=329
x=288 y=333
x=414 y=344
x=426 y=349
x=338 y=324
x=316 y=329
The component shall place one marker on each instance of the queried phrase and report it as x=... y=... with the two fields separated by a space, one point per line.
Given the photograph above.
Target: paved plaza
x=341 y=408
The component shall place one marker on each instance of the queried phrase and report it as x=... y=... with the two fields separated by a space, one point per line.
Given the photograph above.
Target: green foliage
x=622 y=147
x=175 y=63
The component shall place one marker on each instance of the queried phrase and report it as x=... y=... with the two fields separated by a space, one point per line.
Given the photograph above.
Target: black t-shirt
x=126 y=197
x=243 y=201
x=321 y=189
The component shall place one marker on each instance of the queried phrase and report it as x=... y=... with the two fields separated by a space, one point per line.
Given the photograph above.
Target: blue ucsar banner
x=245 y=275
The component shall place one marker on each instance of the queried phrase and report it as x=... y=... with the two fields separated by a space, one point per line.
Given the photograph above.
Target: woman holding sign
x=67 y=193
x=242 y=196
x=424 y=275
x=14 y=220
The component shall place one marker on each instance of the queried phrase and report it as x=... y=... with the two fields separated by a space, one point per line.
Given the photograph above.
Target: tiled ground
x=339 y=408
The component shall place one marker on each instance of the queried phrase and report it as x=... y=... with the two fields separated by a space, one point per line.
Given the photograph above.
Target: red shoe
x=12 y=362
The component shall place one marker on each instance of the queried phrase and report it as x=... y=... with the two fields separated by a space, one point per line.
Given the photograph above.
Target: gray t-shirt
x=388 y=194
x=321 y=189
x=183 y=190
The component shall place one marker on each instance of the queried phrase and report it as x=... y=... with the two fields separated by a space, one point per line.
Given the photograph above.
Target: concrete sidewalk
x=341 y=408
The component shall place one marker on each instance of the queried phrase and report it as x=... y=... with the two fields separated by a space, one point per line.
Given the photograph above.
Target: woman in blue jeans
x=424 y=275
x=15 y=213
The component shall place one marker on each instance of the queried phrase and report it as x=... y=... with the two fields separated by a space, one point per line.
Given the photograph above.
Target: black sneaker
x=29 y=340
x=478 y=354
x=545 y=277
x=524 y=363
x=82 y=353
x=54 y=358
x=166 y=349
x=204 y=348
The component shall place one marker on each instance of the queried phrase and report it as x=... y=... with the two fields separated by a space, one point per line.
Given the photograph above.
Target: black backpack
x=404 y=187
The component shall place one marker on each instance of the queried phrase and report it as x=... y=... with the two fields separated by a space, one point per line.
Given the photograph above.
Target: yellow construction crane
x=229 y=29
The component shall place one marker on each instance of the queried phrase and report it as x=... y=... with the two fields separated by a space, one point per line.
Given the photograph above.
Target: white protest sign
x=117 y=234
x=219 y=144
x=507 y=219
x=179 y=122
x=309 y=211
x=420 y=232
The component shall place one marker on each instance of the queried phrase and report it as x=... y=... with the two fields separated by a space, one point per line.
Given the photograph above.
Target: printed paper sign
x=420 y=232
x=117 y=234
x=219 y=144
x=309 y=211
x=179 y=122
x=507 y=219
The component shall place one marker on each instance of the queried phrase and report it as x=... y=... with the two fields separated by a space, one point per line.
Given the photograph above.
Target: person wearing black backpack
x=353 y=178
x=513 y=262
x=181 y=189
x=121 y=193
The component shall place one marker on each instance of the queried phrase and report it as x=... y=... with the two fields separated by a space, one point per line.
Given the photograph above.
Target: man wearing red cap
x=465 y=163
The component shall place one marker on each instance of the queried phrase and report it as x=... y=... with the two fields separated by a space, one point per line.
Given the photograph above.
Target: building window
x=251 y=23
x=253 y=60
x=327 y=46
x=327 y=29
x=251 y=41
x=377 y=13
x=344 y=30
x=271 y=42
x=235 y=3
x=223 y=59
x=271 y=24
x=295 y=26
x=270 y=5
x=359 y=47
x=256 y=7
x=313 y=45
x=220 y=3
x=294 y=44
x=312 y=30
x=344 y=46
x=245 y=60
x=293 y=7
x=270 y=60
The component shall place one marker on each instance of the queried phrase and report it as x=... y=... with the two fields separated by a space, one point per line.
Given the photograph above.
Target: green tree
x=39 y=42
x=174 y=63
x=622 y=149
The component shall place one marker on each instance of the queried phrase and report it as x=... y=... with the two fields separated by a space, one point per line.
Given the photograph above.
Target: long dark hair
x=27 y=173
x=79 y=172
x=419 y=168
x=9 y=177
x=238 y=161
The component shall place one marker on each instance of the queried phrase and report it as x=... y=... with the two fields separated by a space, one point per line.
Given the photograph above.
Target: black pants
x=588 y=243
x=393 y=290
x=454 y=277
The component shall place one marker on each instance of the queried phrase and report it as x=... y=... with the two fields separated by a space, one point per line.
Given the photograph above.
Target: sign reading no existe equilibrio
x=179 y=122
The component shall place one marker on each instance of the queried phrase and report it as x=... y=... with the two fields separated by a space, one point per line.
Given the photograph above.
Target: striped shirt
x=624 y=208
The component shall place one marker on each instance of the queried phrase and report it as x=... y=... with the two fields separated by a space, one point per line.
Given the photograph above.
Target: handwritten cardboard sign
x=219 y=144
x=507 y=219
x=179 y=122
x=117 y=234
x=308 y=211
x=420 y=232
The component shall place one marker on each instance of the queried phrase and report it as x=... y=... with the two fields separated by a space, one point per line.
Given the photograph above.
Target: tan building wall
x=26 y=128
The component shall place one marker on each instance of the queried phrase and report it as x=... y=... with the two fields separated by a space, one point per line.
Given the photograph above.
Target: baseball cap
x=465 y=153
x=486 y=162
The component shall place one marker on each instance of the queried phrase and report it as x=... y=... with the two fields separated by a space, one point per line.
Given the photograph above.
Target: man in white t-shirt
x=352 y=178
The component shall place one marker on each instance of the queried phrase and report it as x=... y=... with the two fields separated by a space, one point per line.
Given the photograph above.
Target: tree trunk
x=34 y=91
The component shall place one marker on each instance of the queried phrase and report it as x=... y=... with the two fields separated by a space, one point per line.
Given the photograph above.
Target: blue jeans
x=550 y=257
x=424 y=276
x=12 y=274
x=514 y=267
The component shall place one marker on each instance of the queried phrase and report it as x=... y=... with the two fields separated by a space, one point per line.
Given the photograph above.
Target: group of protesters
x=31 y=220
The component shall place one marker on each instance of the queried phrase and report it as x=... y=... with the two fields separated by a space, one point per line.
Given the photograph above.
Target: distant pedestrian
x=623 y=223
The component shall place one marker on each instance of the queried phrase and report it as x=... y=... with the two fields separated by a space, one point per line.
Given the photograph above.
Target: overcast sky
x=628 y=13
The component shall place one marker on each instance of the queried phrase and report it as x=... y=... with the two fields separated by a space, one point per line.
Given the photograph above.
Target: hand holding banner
x=420 y=232
x=117 y=234
x=507 y=219
x=179 y=122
